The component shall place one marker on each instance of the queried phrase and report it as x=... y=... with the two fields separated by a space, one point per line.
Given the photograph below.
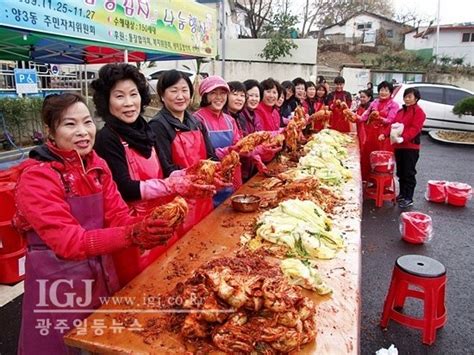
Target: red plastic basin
x=436 y=191
x=12 y=267
x=7 y=200
x=10 y=239
x=416 y=227
x=458 y=193
x=381 y=161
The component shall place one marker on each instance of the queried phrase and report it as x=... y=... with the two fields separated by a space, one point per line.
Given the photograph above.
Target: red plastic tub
x=12 y=266
x=416 y=227
x=458 y=193
x=12 y=254
x=10 y=239
x=381 y=161
x=436 y=191
x=7 y=201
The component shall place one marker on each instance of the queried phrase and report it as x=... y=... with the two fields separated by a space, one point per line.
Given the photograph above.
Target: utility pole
x=437 y=32
x=222 y=32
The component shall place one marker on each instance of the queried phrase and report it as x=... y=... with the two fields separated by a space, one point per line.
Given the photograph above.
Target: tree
x=280 y=32
x=258 y=13
x=324 y=13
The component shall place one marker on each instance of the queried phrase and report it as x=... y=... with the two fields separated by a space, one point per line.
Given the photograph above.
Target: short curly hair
x=109 y=75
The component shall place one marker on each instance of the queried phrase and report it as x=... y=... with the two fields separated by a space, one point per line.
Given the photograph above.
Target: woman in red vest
x=128 y=145
x=181 y=139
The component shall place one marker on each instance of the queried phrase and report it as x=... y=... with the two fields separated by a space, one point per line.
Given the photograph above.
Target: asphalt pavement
x=453 y=229
x=381 y=245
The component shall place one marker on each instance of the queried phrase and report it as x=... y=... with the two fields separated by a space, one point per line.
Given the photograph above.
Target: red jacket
x=266 y=118
x=413 y=118
x=41 y=201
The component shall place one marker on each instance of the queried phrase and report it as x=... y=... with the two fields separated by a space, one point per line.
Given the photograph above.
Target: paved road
x=451 y=245
x=381 y=245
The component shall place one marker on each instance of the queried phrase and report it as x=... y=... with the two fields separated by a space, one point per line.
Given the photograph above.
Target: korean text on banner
x=182 y=27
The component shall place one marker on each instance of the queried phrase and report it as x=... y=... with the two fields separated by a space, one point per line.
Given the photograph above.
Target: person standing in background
x=252 y=88
x=266 y=117
x=309 y=104
x=364 y=103
x=384 y=109
x=300 y=89
x=290 y=103
x=407 y=146
x=335 y=98
x=235 y=104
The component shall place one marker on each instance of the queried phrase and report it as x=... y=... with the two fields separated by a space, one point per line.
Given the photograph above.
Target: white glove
x=399 y=140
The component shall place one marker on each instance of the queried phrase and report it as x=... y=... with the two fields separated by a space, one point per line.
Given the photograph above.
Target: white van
x=438 y=100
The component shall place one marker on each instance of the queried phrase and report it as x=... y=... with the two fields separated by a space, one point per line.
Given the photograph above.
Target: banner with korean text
x=174 y=26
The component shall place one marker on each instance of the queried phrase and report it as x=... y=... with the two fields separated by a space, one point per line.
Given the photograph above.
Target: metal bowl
x=245 y=203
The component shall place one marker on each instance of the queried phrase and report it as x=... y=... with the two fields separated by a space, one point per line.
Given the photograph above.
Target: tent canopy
x=20 y=45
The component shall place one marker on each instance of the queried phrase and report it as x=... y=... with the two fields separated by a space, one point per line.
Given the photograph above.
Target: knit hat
x=212 y=82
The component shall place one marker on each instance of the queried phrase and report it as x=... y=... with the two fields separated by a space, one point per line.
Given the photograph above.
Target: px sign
x=26 y=81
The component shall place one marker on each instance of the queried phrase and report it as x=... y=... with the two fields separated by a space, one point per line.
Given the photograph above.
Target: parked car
x=152 y=75
x=438 y=100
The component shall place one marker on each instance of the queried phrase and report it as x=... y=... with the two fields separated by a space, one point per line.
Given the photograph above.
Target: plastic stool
x=427 y=274
x=383 y=189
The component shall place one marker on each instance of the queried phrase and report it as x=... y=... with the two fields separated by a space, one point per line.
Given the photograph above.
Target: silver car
x=438 y=100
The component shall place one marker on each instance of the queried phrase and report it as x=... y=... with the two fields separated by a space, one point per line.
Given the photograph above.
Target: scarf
x=138 y=134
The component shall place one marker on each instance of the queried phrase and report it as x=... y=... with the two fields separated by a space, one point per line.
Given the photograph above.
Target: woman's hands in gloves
x=186 y=186
x=149 y=233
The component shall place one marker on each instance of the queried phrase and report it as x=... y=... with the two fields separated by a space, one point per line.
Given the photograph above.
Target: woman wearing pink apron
x=182 y=140
x=387 y=109
x=73 y=218
x=128 y=145
x=221 y=128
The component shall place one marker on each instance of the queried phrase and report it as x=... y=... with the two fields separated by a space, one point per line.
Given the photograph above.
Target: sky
x=451 y=11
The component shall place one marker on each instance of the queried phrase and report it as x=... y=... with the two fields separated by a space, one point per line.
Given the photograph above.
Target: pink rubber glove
x=266 y=153
x=261 y=167
x=177 y=183
x=186 y=187
x=222 y=152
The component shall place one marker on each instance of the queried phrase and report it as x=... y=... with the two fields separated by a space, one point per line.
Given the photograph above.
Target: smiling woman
x=72 y=217
x=130 y=147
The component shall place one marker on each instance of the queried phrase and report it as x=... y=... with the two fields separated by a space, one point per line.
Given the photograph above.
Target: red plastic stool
x=428 y=275
x=383 y=188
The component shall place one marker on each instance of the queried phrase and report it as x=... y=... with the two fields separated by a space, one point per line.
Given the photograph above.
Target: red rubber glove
x=149 y=233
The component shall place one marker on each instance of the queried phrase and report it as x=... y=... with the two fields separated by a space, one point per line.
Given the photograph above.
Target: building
x=235 y=21
x=455 y=41
x=366 y=28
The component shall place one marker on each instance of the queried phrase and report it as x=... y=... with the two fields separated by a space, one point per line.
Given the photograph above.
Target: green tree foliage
x=464 y=107
x=279 y=32
x=22 y=116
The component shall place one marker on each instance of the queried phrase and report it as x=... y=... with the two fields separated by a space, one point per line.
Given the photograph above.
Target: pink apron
x=186 y=150
x=131 y=261
x=53 y=284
